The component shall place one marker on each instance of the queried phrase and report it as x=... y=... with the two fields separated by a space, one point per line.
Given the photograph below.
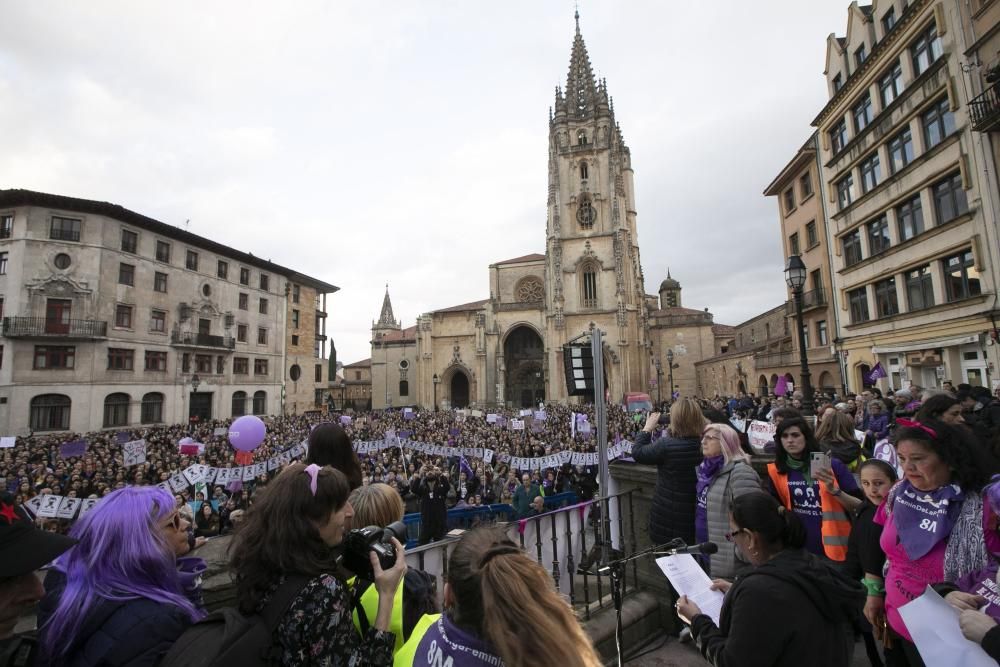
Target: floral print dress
x=317 y=630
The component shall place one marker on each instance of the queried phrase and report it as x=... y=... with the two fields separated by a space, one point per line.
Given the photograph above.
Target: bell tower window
x=581 y=138
x=584 y=173
x=589 y=278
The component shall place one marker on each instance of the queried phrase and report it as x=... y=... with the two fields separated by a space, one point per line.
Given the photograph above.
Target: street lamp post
x=670 y=368
x=659 y=382
x=795 y=278
x=436 y=380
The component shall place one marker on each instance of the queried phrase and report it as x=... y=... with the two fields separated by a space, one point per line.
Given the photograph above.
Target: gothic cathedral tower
x=593 y=273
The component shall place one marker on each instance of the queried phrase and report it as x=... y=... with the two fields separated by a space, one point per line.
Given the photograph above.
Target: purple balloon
x=246 y=433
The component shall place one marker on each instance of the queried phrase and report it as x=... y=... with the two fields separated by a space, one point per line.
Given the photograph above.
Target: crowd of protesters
x=836 y=548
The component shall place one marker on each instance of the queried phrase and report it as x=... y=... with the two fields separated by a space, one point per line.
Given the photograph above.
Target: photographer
x=431 y=487
x=380 y=506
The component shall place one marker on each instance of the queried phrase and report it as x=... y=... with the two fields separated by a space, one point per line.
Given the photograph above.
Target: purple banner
x=72 y=448
x=121 y=437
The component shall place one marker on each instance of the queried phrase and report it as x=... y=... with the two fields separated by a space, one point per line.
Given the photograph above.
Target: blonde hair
x=376 y=505
x=499 y=590
x=686 y=419
x=836 y=427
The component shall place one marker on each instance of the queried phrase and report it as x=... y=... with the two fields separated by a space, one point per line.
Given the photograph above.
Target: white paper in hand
x=933 y=624
x=687 y=578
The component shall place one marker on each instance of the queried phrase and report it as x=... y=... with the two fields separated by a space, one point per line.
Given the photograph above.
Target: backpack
x=227 y=638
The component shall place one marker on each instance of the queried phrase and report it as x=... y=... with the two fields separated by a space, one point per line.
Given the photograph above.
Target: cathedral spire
x=581 y=89
x=386 y=320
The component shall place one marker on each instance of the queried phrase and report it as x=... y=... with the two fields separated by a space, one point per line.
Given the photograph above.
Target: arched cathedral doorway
x=524 y=353
x=459 y=390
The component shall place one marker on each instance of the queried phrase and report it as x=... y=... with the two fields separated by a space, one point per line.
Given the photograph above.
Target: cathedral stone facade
x=507 y=349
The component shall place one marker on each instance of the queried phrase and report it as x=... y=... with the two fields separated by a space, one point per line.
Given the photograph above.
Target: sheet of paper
x=933 y=623
x=687 y=578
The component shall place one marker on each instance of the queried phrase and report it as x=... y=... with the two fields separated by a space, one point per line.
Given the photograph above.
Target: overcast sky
x=367 y=143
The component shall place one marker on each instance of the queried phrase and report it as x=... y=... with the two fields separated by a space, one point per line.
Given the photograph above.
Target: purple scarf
x=707 y=471
x=924 y=518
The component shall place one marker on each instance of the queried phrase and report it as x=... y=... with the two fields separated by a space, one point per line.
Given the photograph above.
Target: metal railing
x=985 y=110
x=566 y=541
x=811 y=299
x=42 y=327
x=774 y=359
x=202 y=340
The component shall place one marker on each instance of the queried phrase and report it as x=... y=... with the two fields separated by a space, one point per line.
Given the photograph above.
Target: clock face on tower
x=586 y=214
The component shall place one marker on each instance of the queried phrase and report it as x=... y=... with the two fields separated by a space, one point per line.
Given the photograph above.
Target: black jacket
x=672 y=513
x=864 y=554
x=808 y=610
x=136 y=633
x=433 y=507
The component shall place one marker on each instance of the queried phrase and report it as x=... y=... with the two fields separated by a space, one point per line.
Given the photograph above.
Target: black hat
x=23 y=547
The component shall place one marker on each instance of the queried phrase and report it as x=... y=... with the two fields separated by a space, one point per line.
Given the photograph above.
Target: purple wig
x=121 y=555
x=992 y=494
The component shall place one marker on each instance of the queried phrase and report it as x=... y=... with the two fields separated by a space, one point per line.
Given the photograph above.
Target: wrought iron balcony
x=42 y=327
x=985 y=110
x=812 y=299
x=192 y=339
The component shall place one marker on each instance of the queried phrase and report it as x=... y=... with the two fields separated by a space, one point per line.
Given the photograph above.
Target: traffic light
x=578 y=361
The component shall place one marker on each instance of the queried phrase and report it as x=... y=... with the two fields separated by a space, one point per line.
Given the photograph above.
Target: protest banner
x=760 y=433
x=134 y=453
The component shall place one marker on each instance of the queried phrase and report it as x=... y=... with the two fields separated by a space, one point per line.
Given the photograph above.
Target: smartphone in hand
x=819 y=461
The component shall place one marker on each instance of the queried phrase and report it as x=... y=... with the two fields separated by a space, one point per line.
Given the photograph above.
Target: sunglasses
x=731 y=537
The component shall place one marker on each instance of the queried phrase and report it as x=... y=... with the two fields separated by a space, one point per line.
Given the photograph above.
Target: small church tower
x=386 y=321
x=670 y=293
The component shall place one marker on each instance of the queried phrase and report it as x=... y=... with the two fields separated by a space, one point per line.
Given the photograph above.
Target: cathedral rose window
x=529 y=289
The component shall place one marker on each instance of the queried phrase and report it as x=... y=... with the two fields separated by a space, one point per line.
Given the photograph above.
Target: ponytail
x=793 y=535
x=499 y=591
x=761 y=513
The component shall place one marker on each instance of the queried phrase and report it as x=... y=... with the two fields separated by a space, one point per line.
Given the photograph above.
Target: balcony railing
x=775 y=359
x=985 y=110
x=42 y=327
x=202 y=340
x=812 y=299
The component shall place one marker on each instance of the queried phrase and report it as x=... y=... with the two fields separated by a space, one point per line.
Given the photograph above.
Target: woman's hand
x=965 y=601
x=826 y=476
x=875 y=613
x=387 y=581
x=721 y=585
x=651 y=422
x=686 y=609
x=975 y=625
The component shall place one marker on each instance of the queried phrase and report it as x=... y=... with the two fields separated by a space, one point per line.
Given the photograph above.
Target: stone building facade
x=804 y=233
x=910 y=187
x=112 y=319
x=306 y=368
x=507 y=349
x=354 y=389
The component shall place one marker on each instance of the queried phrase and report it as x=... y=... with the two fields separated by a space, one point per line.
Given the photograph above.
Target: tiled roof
x=679 y=310
x=407 y=334
x=472 y=305
x=533 y=257
x=11 y=198
x=723 y=329
x=364 y=363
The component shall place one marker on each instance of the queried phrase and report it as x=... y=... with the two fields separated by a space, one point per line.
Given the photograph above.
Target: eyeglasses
x=731 y=537
x=175 y=521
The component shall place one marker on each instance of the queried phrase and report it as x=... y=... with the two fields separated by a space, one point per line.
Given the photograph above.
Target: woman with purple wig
x=122 y=595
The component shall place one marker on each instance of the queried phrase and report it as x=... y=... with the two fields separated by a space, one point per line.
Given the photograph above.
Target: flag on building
x=876 y=373
x=781 y=388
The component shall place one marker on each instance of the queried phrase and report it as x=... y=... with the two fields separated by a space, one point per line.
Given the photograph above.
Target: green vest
x=404 y=656
x=369 y=605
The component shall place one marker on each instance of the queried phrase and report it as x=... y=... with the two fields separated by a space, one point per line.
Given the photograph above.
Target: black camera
x=664 y=419
x=360 y=542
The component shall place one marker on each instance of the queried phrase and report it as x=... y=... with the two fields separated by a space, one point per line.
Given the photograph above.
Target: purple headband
x=313 y=471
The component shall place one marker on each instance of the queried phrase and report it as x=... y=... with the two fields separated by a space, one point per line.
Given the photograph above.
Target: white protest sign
x=739 y=424
x=7 y=442
x=859 y=435
x=760 y=433
x=193 y=475
x=88 y=504
x=248 y=473
x=50 y=506
x=476 y=413
x=134 y=452
x=178 y=483
x=517 y=424
x=220 y=431
x=491 y=418
x=210 y=474
x=34 y=504
x=272 y=464
x=68 y=507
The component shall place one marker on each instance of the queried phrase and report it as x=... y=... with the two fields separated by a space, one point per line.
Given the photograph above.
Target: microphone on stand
x=703 y=548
